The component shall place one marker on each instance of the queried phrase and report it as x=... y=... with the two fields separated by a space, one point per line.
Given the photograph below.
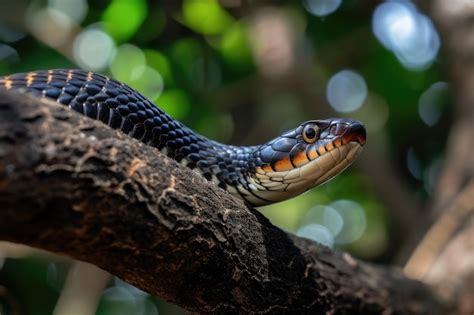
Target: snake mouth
x=292 y=166
x=354 y=132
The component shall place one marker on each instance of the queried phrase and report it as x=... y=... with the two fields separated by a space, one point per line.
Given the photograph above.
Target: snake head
x=303 y=158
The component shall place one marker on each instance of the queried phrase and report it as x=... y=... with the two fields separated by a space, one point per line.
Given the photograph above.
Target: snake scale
x=298 y=160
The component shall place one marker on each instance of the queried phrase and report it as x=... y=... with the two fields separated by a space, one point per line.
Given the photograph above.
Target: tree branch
x=72 y=185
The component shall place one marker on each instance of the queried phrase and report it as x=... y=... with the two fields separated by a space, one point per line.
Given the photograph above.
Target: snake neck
x=225 y=165
x=280 y=169
x=121 y=107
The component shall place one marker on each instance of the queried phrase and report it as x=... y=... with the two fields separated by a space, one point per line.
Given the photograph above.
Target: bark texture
x=72 y=185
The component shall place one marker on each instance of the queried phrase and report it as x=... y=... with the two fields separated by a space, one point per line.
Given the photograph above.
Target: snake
x=298 y=160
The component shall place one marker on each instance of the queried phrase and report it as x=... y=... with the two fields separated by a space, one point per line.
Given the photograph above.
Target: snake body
x=288 y=165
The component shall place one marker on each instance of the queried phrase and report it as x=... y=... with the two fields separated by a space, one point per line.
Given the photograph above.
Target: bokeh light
x=235 y=46
x=184 y=53
x=219 y=126
x=9 y=35
x=318 y=233
x=160 y=62
x=354 y=218
x=8 y=54
x=374 y=106
x=149 y=83
x=175 y=102
x=129 y=65
x=122 y=18
x=123 y=299
x=321 y=7
x=346 y=91
x=430 y=105
x=76 y=10
x=51 y=26
x=325 y=216
x=409 y=34
x=56 y=275
x=340 y=222
x=206 y=16
x=431 y=175
x=93 y=49
x=206 y=73
x=413 y=164
x=274 y=36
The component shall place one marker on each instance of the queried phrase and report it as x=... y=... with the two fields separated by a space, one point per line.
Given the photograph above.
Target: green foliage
x=206 y=16
x=122 y=18
x=176 y=103
x=24 y=278
x=160 y=63
x=128 y=63
x=234 y=45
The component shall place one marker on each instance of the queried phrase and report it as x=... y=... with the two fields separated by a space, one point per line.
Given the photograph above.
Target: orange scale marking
x=7 y=83
x=300 y=159
x=283 y=165
x=267 y=168
x=312 y=153
x=321 y=150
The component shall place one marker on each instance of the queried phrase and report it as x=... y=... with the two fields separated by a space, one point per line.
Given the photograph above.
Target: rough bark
x=72 y=185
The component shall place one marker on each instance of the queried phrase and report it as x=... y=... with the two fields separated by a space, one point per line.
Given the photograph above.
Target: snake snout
x=354 y=132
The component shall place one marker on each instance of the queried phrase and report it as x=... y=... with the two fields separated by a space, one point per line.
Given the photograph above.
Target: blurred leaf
x=125 y=300
x=206 y=73
x=149 y=83
x=405 y=93
x=122 y=18
x=23 y=277
x=129 y=66
x=128 y=63
x=184 y=53
x=42 y=58
x=217 y=126
x=159 y=62
x=206 y=16
x=288 y=214
x=152 y=27
x=175 y=102
x=234 y=45
x=374 y=240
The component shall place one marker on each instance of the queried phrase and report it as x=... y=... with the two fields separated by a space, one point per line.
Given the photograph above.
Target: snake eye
x=310 y=133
